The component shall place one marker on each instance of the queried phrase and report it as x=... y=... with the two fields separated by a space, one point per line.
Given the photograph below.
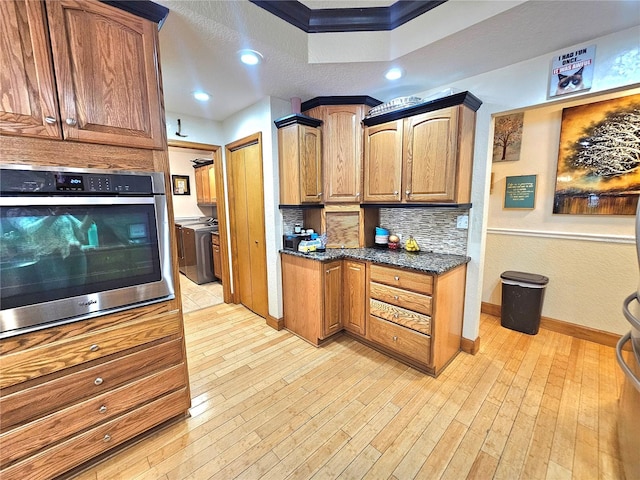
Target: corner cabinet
x=58 y=87
x=421 y=154
x=300 y=159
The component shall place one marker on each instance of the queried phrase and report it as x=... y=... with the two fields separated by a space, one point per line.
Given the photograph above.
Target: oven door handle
x=85 y=200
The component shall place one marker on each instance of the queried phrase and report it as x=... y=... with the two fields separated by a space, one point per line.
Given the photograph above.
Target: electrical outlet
x=463 y=222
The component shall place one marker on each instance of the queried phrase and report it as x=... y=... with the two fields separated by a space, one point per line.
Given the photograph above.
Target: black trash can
x=522 y=295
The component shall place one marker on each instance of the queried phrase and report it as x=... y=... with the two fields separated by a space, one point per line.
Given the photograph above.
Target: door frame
x=221 y=208
x=255 y=138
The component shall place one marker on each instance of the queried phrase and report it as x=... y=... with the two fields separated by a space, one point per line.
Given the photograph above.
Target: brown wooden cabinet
x=311 y=297
x=205 y=184
x=425 y=157
x=217 y=256
x=300 y=160
x=341 y=151
x=112 y=98
x=68 y=392
x=353 y=299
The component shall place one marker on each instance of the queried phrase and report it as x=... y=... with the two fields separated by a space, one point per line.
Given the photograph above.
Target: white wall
x=516 y=87
x=198 y=130
x=186 y=206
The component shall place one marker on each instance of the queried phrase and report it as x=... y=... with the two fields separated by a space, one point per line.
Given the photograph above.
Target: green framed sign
x=520 y=192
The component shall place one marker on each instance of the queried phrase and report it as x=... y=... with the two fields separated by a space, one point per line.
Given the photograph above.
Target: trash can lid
x=523 y=277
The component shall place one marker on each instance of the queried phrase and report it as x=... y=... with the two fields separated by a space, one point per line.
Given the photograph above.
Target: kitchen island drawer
x=38 y=361
x=34 y=402
x=415 y=281
x=28 y=439
x=400 y=339
x=64 y=456
x=401 y=298
x=406 y=318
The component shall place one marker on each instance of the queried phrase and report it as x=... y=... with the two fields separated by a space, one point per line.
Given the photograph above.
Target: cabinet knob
x=256 y=242
x=50 y=120
x=395 y=315
x=71 y=121
x=395 y=297
x=102 y=409
x=396 y=278
x=320 y=194
x=106 y=438
x=408 y=192
x=94 y=348
x=395 y=192
x=357 y=194
x=98 y=381
x=395 y=339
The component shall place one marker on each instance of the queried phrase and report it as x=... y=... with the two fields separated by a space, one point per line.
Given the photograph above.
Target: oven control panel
x=16 y=181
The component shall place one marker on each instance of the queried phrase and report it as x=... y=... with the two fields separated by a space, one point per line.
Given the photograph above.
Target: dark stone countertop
x=428 y=262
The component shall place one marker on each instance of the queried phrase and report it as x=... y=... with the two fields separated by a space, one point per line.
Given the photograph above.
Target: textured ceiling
x=459 y=39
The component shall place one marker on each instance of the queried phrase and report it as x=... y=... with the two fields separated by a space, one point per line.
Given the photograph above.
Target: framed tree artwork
x=507 y=137
x=599 y=158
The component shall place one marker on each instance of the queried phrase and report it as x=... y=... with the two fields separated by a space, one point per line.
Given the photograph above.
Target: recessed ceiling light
x=201 y=96
x=250 y=57
x=393 y=74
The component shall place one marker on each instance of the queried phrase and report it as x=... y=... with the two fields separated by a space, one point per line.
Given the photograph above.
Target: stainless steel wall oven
x=75 y=244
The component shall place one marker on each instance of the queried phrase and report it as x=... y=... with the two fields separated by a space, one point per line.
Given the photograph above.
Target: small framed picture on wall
x=180 y=185
x=520 y=192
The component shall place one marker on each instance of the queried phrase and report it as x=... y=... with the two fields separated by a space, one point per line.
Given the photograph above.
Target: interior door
x=246 y=208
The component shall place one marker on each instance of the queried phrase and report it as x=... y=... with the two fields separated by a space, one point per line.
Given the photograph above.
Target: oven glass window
x=52 y=253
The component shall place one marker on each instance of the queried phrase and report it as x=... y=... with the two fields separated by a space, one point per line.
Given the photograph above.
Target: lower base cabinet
x=72 y=393
x=412 y=316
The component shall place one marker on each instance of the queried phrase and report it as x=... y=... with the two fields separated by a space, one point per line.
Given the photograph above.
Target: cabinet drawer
x=418 y=282
x=400 y=339
x=27 y=364
x=215 y=239
x=50 y=396
x=407 y=318
x=75 y=451
x=29 y=438
x=401 y=298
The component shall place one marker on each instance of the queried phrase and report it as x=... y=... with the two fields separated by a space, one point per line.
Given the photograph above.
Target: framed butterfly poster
x=572 y=71
x=598 y=160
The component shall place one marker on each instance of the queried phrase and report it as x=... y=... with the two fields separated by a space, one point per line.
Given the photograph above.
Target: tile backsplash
x=433 y=228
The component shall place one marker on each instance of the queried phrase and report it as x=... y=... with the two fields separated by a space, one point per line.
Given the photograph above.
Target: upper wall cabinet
x=300 y=157
x=421 y=154
x=106 y=85
x=206 y=184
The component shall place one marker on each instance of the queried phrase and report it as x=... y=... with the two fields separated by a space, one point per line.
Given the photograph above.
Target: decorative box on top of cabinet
x=113 y=98
x=73 y=392
x=422 y=153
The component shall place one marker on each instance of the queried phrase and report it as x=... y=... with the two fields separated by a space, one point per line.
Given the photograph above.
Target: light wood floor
x=267 y=405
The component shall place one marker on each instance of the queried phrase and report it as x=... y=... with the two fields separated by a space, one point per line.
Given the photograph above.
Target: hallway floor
x=196 y=297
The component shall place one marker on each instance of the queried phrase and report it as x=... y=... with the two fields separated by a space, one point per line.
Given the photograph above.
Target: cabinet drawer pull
x=94 y=348
x=106 y=438
x=98 y=381
x=396 y=278
x=102 y=409
x=50 y=120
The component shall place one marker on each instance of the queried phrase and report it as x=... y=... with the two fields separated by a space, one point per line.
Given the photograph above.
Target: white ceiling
x=461 y=38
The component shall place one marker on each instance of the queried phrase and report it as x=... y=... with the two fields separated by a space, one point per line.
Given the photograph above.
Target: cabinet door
x=107 y=78
x=430 y=156
x=202 y=184
x=332 y=298
x=217 y=257
x=342 y=153
x=310 y=164
x=211 y=182
x=353 y=308
x=28 y=104
x=383 y=162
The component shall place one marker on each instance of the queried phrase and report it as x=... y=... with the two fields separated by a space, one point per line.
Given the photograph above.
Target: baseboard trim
x=470 y=346
x=559 y=326
x=275 y=323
